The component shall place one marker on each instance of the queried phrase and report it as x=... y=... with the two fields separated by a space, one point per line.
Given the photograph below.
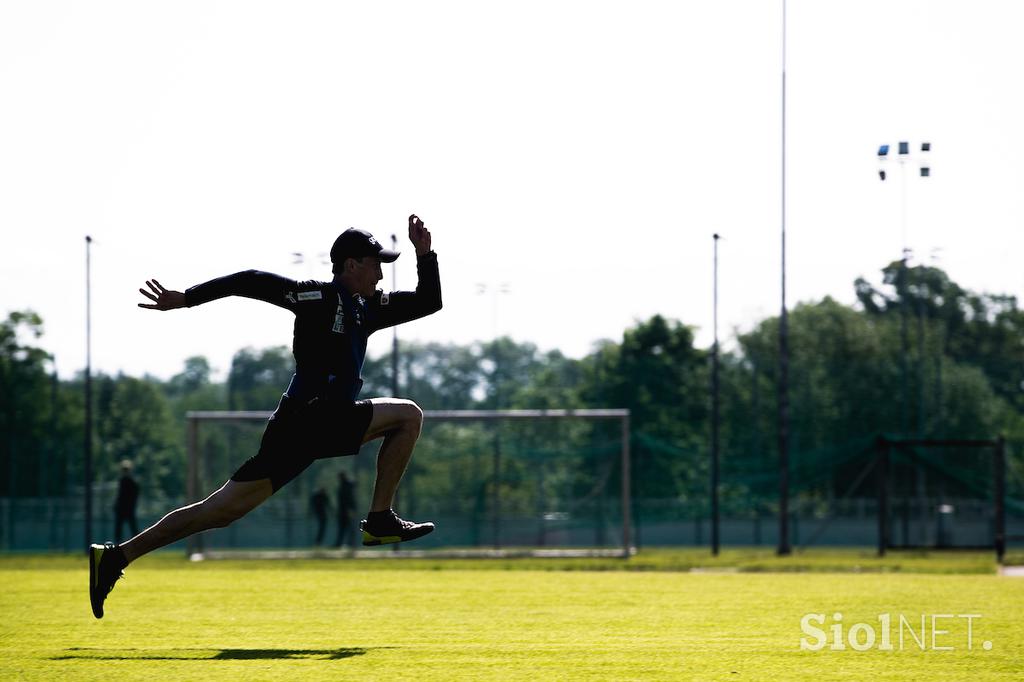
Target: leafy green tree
x=259 y=377
x=135 y=423
x=982 y=330
x=662 y=378
x=437 y=376
x=26 y=406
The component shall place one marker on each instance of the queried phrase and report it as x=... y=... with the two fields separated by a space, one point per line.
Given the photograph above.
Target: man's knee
x=410 y=417
x=393 y=417
x=414 y=415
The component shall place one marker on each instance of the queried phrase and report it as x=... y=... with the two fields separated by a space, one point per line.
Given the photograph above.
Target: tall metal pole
x=394 y=356
x=784 y=548
x=88 y=393
x=496 y=290
x=714 y=415
x=496 y=456
x=51 y=488
x=394 y=329
x=904 y=288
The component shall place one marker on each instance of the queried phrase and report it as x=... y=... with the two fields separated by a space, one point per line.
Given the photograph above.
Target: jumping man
x=319 y=415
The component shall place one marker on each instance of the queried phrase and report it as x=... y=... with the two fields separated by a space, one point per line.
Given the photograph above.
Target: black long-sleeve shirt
x=331 y=324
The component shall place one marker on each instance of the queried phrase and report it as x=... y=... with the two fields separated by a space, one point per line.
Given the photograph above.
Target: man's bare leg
x=230 y=502
x=399 y=422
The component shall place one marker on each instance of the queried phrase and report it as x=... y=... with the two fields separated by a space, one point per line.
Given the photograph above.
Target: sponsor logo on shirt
x=339 y=318
x=358 y=308
x=310 y=295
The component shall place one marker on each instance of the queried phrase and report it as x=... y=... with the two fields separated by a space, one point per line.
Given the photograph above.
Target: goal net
x=942 y=494
x=497 y=483
x=886 y=492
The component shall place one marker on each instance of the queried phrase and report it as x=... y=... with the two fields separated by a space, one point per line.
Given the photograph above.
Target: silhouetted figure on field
x=124 y=505
x=346 y=511
x=320 y=414
x=318 y=504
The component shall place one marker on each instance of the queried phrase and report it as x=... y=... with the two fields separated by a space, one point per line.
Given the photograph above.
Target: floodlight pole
x=784 y=547
x=904 y=338
x=902 y=284
x=496 y=289
x=714 y=413
x=394 y=358
x=88 y=394
x=902 y=290
x=394 y=329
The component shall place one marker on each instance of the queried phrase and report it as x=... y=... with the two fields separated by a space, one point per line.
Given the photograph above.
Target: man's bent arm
x=387 y=310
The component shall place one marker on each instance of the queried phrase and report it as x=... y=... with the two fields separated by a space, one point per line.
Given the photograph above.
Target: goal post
x=553 y=482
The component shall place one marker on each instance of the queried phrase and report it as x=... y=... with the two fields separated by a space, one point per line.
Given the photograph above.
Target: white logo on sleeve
x=310 y=295
x=385 y=299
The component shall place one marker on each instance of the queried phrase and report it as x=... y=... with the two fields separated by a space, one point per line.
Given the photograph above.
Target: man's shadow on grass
x=81 y=653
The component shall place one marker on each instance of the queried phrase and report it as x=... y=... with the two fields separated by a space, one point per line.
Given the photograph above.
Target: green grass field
x=388 y=620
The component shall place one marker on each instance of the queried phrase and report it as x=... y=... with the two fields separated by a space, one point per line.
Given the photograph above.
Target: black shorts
x=299 y=433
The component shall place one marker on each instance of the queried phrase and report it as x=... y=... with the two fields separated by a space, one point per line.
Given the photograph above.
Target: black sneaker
x=103 y=573
x=386 y=528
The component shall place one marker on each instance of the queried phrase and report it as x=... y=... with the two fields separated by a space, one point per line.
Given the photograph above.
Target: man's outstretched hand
x=165 y=299
x=419 y=235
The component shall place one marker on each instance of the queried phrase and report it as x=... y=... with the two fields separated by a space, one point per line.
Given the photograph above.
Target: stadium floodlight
x=883 y=156
x=565 y=484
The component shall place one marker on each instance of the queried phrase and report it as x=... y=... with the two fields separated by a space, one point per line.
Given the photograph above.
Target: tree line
x=916 y=354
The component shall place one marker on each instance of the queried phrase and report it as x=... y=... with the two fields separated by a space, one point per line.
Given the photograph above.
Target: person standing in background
x=318 y=504
x=124 y=505
x=346 y=511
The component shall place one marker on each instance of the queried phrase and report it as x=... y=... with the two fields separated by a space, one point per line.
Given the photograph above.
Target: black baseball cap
x=353 y=243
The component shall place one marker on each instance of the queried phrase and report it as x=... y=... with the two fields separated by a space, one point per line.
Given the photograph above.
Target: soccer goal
x=941 y=494
x=498 y=483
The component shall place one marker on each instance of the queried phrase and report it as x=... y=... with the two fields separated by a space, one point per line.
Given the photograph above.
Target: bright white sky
x=581 y=152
